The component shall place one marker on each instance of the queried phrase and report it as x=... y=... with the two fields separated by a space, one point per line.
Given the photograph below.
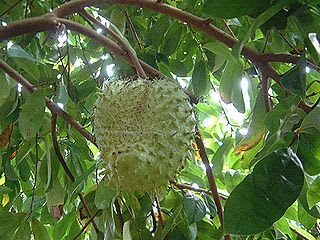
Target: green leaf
x=230 y=87
x=119 y=19
x=32 y=114
x=295 y=79
x=261 y=19
x=311 y=121
x=17 y=52
x=82 y=178
x=221 y=50
x=231 y=8
x=28 y=66
x=6 y=85
x=159 y=29
x=194 y=208
x=8 y=224
x=302 y=232
x=313 y=193
x=104 y=195
x=265 y=194
x=178 y=68
x=172 y=39
x=200 y=79
x=211 y=205
x=305 y=218
x=63 y=225
x=126 y=231
x=55 y=196
x=39 y=231
x=256 y=128
x=23 y=232
x=309 y=152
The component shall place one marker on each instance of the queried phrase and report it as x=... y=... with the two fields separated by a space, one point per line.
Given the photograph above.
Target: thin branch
x=35 y=175
x=51 y=105
x=211 y=179
x=119 y=213
x=133 y=29
x=183 y=186
x=87 y=224
x=132 y=54
x=65 y=166
x=265 y=95
x=163 y=223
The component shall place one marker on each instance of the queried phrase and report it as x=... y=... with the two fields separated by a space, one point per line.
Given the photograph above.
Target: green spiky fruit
x=143 y=129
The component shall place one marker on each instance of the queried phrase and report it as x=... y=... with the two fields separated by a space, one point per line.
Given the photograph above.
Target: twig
x=87 y=224
x=265 y=95
x=133 y=29
x=211 y=179
x=154 y=221
x=119 y=213
x=163 y=223
x=183 y=186
x=229 y=29
x=121 y=42
x=65 y=166
x=35 y=176
x=51 y=105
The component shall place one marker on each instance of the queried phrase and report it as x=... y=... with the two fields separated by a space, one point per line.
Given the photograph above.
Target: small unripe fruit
x=143 y=129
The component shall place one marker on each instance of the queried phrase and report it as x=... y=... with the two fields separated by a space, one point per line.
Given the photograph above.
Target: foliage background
x=251 y=69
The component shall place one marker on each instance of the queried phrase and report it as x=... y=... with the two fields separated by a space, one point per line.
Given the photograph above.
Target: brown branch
x=163 y=223
x=133 y=29
x=122 y=43
x=265 y=95
x=65 y=166
x=87 y=224
x=183 y=186
x=51 y=105
x=119 y=213
x=211 y=179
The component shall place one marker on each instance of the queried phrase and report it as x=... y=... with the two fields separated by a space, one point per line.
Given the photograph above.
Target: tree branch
x=132 y=54
x=65 y=166
x=211 y=179
x=183 y=186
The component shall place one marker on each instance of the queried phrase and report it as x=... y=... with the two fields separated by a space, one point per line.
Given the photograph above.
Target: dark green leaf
x=309 y=152
x=200 y=79
x=32 y=114
x=231 y=8
x=313 y=193
x=39 y=231
x=265 y=194
x=158 y=30
x=194 y=208
x=172 y=38
x=295 y=80
x=104 y=195
x=23 y=232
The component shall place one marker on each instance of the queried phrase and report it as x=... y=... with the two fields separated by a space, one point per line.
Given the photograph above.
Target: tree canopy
x=250 y=70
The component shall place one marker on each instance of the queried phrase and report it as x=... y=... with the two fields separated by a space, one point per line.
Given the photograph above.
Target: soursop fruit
x=143 y=129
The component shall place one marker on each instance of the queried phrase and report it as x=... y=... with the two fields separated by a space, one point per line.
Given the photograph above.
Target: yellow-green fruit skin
x=143 y=129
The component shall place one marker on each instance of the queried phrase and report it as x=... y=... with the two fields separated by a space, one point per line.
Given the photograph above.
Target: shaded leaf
x=313 y=193
x=265 y=194
x=194 y=208
x=104 y=195
x=200 y=79
x=32 y=114
x=231 y=8
x=39 y=231
x=295 y=80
